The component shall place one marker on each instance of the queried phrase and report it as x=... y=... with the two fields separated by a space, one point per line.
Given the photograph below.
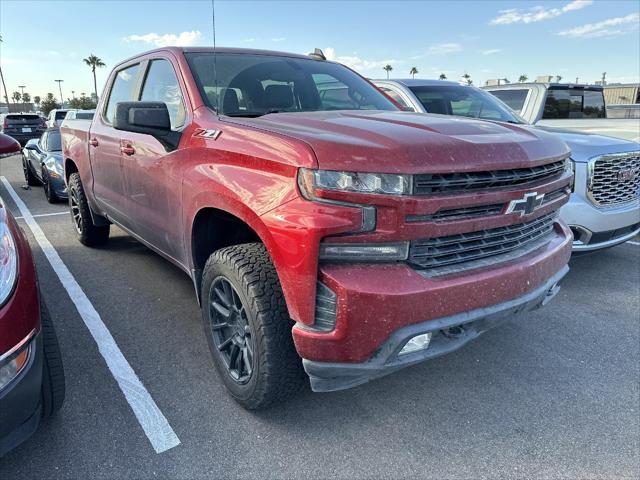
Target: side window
x=161 y=85
x=122 y=90
x=396 y=96
x=43 y=141
x=513 y=98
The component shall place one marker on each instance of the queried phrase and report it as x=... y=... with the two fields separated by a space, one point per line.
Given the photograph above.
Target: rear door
x=152 y=175
x=105 y=145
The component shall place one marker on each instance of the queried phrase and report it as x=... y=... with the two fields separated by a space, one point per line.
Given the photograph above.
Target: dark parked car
x=31 y=373
x=22 y=126
x=43 y=165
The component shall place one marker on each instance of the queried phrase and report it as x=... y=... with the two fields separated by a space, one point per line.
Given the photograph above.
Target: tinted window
x=463 y=101
x=53 y=142
x=574 y=103
x=84 y=115
x=513 y=98
x=161 y=85
x=270 y=84
x=122 y=90
x=60 y=115
x=395 y=95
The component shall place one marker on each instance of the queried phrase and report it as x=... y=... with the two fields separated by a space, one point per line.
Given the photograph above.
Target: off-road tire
x=87 y=232
x=53 y=385
x=277 y=368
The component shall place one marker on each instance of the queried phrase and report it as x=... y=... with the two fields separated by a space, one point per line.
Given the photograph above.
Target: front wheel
x=49 y=192
x=248 y=326
x=87 y=232
x=29 y=176
x=53 y=384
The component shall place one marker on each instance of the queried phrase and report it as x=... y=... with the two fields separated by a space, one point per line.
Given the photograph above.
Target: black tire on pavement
x=29 y=176
x=46 y=185
x=53 y=384
x=87 y=232
x=269 y=370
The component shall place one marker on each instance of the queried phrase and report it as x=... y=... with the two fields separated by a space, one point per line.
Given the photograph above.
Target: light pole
x=22 y=87
x=73 y=94
x=60 y=87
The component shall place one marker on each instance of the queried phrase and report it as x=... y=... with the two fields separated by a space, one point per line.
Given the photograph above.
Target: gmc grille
x=614 y=179
x=465 y=251
x=459 y=182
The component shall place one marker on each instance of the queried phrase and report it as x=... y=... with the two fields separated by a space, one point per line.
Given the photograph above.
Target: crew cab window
x=572 y=103
x=254 y=85
x=161 y=85
x=122 y=90
x=513 y=98
x=396 y=96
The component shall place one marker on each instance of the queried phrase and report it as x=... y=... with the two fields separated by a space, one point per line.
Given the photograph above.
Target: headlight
x=8 y=263
x=364 y=252
x=385 y=183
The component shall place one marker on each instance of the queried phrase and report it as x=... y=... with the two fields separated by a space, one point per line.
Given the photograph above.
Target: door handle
x=93 y=142
x=127 y=149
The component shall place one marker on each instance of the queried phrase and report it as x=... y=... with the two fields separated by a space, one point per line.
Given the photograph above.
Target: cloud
x=491 y=51
x=622 y=25
x=536 y=14
x=357 y=63
x=444 y=48
x=279 y=39
x=248 y=40
x=183 y=39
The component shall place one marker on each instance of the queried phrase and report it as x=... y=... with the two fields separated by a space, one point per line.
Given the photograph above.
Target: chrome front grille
x=614 y=179
x=461 y=182
x=465 y=251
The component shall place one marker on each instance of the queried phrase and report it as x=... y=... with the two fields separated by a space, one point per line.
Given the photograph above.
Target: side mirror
x=149 y=118
x=31 y=146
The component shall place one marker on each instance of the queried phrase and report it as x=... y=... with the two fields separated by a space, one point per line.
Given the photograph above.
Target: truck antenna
x=215 y=69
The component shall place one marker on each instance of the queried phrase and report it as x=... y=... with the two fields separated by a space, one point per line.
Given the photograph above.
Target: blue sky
x=47 y=40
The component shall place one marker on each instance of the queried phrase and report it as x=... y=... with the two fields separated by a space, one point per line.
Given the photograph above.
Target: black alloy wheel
x=231 y=330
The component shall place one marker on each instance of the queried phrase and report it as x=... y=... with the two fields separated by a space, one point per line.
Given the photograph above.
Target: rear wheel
x=49 y=193
x=29 y=176
x=53 y=385
x=87 y=232
x=248 y=327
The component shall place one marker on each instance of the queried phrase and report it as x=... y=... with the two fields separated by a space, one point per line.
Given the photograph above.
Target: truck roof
x=418 y=82
x=546 y=85
x=182 y=50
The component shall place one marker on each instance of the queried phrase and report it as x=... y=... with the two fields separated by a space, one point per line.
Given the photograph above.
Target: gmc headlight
x=384 y=183
x=8 y=263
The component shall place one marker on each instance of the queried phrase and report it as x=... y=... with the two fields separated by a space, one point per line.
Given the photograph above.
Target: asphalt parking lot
x=554 y=394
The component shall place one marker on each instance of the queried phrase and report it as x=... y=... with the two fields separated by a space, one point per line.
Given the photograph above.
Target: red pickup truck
x=316 y=219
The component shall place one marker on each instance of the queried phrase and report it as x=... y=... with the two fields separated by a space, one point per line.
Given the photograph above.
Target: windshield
x=253 y=85
x=53 y=141
x=465 y=102
x=574 y=103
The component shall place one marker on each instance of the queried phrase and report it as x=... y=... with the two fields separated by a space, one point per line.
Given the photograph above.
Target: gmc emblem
x=628 y=175
x=526 y=205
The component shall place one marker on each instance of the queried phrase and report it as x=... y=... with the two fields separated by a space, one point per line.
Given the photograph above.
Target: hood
x=586 y=145
x=406 y=142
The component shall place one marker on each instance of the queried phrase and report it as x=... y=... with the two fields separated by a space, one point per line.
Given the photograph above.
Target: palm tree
x=36 y=99
x=387 y=68
x=94 y=62
x=442 y=76
x=523 y=78
x=413 y=72
x=16 y=96
x=467 y=77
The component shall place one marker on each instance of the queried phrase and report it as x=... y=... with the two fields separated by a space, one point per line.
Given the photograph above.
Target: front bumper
x=20 y=401
x=593 y=227
x=448 y=334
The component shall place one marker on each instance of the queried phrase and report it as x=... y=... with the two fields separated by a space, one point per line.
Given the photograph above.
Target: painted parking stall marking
x=151 y=419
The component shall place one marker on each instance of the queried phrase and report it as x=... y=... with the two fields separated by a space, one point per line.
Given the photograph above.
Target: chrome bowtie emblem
x=527 y=205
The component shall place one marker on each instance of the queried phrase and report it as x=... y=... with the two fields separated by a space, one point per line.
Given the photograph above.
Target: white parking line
x=632 y=242
x=152 y=421
x=45 y=215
